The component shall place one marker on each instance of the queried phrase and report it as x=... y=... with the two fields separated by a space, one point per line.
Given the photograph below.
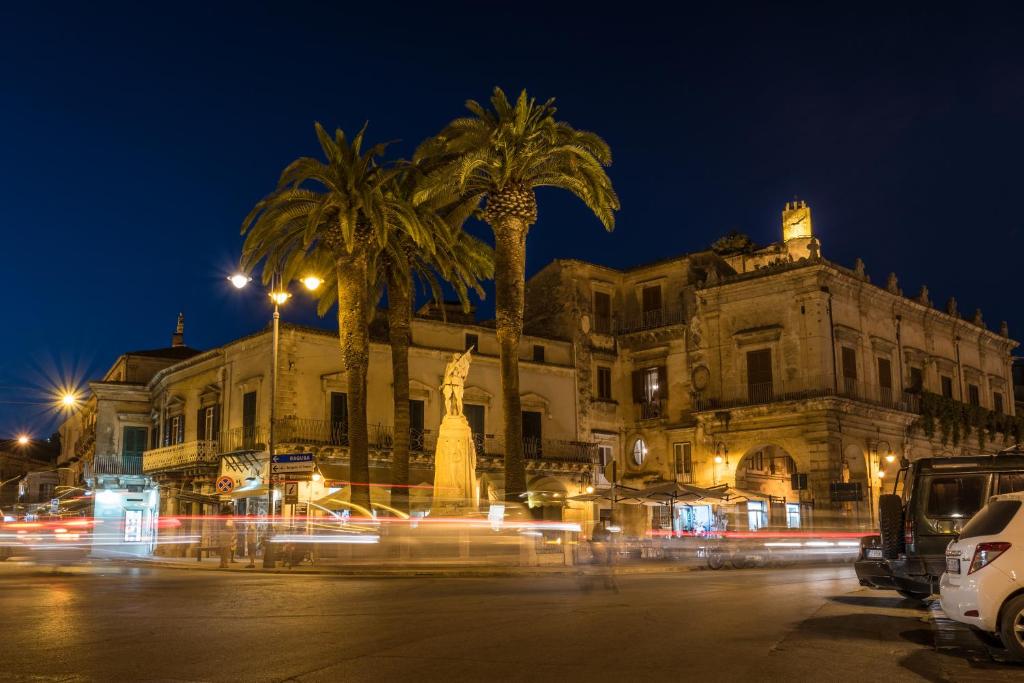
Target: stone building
x=778 y=375
x=204 y=417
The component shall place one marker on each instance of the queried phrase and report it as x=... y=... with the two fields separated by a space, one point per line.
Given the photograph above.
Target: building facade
x=772 y=372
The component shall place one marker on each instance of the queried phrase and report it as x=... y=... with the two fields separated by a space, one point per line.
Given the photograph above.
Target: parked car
x=983 y=585
x=936 y=497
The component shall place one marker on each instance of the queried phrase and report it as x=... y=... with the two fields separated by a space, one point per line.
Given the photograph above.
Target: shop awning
x=623 y=494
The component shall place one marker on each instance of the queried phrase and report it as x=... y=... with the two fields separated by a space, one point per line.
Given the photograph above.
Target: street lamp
x=721 y=457
x=23 y=440
x=279 y=294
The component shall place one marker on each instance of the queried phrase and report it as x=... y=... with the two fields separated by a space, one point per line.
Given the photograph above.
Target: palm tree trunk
x=510 y=283
x=353 y=330
x=399 y=321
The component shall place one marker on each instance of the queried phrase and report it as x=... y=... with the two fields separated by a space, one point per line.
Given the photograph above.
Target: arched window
x=639 y=451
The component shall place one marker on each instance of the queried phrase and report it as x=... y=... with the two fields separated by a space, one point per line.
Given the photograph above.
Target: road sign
x=290 y=476
x=291 y=462
x=291 y=492
x=225 y=484
x=54 y=506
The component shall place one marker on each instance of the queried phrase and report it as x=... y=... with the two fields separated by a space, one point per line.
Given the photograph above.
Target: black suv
x=935 y=498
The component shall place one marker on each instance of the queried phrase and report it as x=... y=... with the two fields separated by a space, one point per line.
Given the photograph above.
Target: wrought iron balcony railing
x=651 y=410
x=583 y=452
x=107 y=463
x=180 y=455
x=812 y=386
x=649 y=320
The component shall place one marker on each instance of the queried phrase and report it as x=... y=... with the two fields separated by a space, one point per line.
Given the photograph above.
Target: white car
x=983 y=585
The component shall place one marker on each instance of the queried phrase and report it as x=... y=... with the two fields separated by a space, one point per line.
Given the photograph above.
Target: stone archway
x=767 y=469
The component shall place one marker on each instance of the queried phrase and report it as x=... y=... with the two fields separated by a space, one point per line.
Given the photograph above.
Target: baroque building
x=781 y=376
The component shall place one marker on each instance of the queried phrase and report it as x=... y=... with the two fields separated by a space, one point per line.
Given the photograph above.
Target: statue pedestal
x=454 y=468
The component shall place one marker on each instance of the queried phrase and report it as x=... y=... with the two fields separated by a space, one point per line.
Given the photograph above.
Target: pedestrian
x=250 y=541
x=225 y=536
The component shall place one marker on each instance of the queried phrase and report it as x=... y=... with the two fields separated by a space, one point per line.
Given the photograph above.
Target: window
x=849 y=363
x=651 y=304
x=947 y=386
x=475 y=416
x=756 y=461
x=208 y=423
x=992 y=519
x=472 y=342
x=604 y=383
x=973 y=395
x=1011 y=482
x=532 y=426
x=683 y=460
x=997 y=402
x=604 y=455
x=757 y=515
x=339 y=419
x=415 y=425
x=759 y=375
x=602 y=312
x=249 y=420
x=955 y=497
x=649 y=384
x=639 y=452
x=538 y=353
x=916 y=381
x=885 y=377
x=45 y=491
x=175 y=430
x=793 y=515
x=133 y=442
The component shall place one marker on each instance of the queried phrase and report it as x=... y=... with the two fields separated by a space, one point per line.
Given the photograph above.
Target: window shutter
x=181 y=428
x=167 y=431
x=201 y=434
x=662 y=382
x=216 y=424
x=638 y=386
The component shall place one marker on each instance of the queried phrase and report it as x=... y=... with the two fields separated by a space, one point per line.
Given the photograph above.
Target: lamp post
x=876 y=470
x=279 y=295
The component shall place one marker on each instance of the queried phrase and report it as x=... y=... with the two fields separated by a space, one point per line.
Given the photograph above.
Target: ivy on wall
x=955 y=422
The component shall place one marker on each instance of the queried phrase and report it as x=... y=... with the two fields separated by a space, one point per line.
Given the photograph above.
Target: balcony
x=127 y=464
x=650 y=320
x=327 y=433
x=650 y=410
x=814 y=386
x=253 y=438
x=580 y=452
x=180 y=456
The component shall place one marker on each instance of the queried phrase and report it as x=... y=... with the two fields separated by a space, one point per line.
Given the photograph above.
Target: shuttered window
x=602 y=312
x=973 y=395
x=133 y=441
x=208 y=423
x=339 y=418
x=650 y=384
x=884 y=373
x=849 y=363
x=604 y=383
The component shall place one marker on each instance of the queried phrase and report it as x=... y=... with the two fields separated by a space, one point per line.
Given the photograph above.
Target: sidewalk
x=407 y=571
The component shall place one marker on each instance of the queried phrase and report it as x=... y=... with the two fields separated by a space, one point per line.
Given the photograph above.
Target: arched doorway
x=546 y=498
x=768 y=479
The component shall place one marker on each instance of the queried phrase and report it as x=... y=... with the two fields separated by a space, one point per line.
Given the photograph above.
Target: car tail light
x=985 y=554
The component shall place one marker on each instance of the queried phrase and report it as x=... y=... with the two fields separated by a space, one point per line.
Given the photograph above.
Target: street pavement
x=106 y=622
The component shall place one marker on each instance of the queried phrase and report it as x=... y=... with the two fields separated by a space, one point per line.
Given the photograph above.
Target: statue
x=455 y=382
x=814 y=249
x=951 y=307
x=455 y=489
x=923 y=297
x=859 y=268
x=978 y=320
x=892 y=284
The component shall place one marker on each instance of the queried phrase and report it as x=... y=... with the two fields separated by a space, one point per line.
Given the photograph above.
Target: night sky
x=136 y=138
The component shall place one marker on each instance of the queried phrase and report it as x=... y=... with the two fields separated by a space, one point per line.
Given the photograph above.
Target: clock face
x=797 y=223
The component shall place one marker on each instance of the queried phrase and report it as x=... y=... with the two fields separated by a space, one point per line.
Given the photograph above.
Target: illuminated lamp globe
x=280 y=298
x=239 y=280
x=890 y=457
x=881 y=474
x=23 y=440
x=312 y=282
x=590 y=489
x=68 y=400
x=718 y=460
x=316 y=476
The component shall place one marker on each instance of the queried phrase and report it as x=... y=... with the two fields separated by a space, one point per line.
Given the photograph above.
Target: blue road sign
x=292 y=457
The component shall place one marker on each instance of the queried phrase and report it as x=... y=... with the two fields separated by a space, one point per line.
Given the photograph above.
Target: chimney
x=178 y=338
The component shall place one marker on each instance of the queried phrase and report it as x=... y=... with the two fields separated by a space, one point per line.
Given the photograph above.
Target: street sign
x=291 y=492
x=292 y=462
x=54 y=506
x=290 y=476
x=225 y=484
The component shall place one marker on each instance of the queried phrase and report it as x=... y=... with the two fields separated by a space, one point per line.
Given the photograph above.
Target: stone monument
x=455 y=454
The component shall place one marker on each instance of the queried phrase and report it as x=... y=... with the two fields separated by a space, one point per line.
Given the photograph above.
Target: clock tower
x=796 y=220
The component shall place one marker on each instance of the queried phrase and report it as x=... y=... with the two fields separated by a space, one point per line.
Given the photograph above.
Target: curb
x=415 y=572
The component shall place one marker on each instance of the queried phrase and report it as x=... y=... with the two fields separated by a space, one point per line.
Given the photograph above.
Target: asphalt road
x=112 y=623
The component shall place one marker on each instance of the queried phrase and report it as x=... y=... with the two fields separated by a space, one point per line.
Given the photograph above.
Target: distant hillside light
x=239 y=280
x=312 y=282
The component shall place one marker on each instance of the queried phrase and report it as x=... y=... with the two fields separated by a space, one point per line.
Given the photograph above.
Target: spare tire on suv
x=890 y=525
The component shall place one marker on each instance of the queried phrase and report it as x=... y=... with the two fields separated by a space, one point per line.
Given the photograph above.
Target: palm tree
x=336 y=214
x=499 y=157
x=459 y=259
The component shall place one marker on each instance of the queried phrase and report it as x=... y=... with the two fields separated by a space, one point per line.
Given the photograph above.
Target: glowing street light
x=23 y=440
x=280 y=298
x=68 y=400
x=239 y=280
x=312 y=282
x=890 y=457
x=881 y=474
